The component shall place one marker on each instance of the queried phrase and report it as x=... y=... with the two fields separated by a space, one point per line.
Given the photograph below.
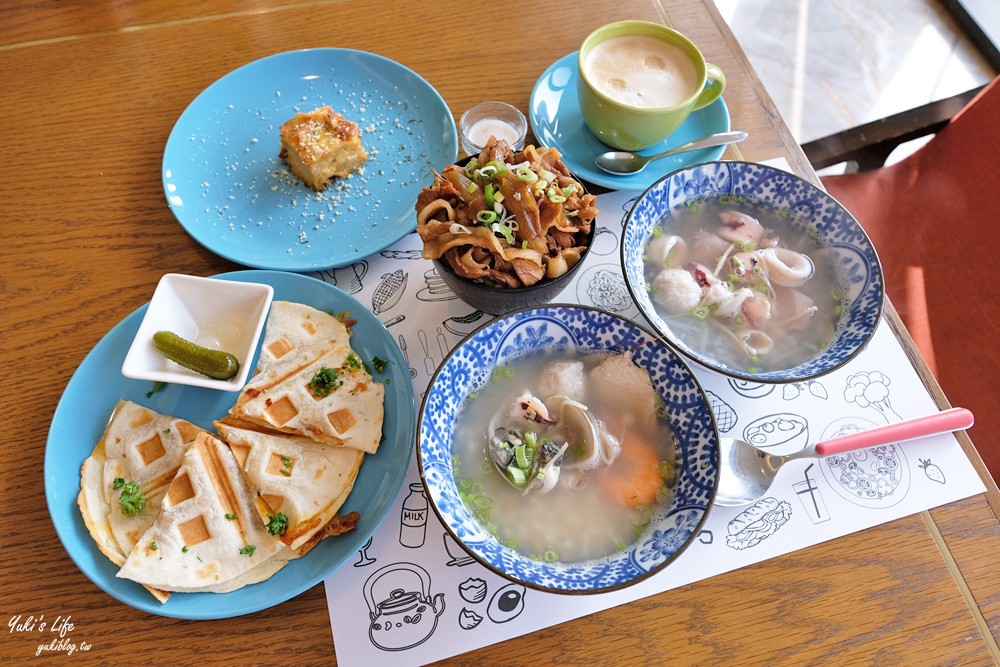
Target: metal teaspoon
x=624 y=162
x=746 y=472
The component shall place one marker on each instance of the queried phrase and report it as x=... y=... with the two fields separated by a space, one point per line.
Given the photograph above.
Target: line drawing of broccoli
x=870 y=389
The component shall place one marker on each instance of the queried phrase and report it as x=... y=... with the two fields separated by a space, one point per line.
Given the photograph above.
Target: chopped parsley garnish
x=231 y=517
x=327 y=380
x=353 y=361
x=166 y=431
x=157 y=386
x=118 y=483
x=248 y=550
x=132 y=499
x=154 y=546
x=287 y=462
x=184 y=549
x=378 y=363
x=277 y=524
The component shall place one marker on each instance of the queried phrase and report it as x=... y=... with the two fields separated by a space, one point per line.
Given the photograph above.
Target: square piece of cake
x=321 y=145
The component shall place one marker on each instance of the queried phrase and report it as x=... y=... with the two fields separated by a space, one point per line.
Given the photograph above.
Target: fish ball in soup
x=562 y=377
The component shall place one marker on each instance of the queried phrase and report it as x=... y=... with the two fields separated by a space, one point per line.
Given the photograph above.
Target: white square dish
x=216 y=314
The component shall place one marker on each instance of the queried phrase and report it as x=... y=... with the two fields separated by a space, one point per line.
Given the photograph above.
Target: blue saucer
x=228 y=188
x=556 y=120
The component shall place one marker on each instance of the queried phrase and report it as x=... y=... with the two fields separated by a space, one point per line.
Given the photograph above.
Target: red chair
x=932 y=218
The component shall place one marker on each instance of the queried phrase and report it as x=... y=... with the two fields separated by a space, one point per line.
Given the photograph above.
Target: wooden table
x=90 y=93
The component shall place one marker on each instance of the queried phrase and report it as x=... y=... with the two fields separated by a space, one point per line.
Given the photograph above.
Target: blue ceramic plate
x=229 y=189
x=97 y=386
x=566 y=327
x=556 y=121
x=806 y=207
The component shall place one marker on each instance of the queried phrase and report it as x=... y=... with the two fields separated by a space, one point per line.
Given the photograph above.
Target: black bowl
x=497 y=300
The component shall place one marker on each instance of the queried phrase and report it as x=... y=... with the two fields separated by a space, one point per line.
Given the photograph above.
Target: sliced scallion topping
x=516 y=476
x=525 y=175
x=521 y=456
x=504 y=229
x=486 y=217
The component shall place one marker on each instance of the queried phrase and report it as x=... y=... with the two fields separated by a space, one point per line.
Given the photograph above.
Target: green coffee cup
x=630 y=127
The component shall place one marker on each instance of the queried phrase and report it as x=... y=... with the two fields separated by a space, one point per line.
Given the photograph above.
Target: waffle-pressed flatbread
x=306 y=481
x=140 y=446
x=301 y=342
x=350 y=415
x=297 y=327
x=208 y=532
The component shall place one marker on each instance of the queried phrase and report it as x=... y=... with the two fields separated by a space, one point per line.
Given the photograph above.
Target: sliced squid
x=733 y=306
x=757 y=311
x=787 y=267
x=739 y=227
x=531 y=408
x=666 y=251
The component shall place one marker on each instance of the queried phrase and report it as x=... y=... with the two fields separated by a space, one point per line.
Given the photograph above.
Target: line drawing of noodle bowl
x=784 y=429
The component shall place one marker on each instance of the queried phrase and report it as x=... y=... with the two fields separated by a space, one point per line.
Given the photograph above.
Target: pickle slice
x=212 y=363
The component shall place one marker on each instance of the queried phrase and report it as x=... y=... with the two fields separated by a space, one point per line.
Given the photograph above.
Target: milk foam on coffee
x=641 y=71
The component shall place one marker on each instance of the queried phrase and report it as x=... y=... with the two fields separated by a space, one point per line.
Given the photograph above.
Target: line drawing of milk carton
x=413 y=518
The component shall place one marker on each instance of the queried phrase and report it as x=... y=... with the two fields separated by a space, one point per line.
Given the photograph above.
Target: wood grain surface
x=90 y=94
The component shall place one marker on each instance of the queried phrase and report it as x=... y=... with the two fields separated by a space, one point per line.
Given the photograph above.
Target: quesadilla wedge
x=208 y=532
x=301 y=484
x=297 y=327
x=332 y=400
x=123 y=481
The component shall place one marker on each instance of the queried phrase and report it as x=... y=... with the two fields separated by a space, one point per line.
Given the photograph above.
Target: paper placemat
x=463 y=606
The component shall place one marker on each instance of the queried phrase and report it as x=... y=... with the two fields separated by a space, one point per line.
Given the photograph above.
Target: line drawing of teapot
x=406 y=617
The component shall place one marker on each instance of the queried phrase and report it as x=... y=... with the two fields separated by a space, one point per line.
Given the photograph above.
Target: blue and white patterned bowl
x=555 y=327
x=809 y=208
